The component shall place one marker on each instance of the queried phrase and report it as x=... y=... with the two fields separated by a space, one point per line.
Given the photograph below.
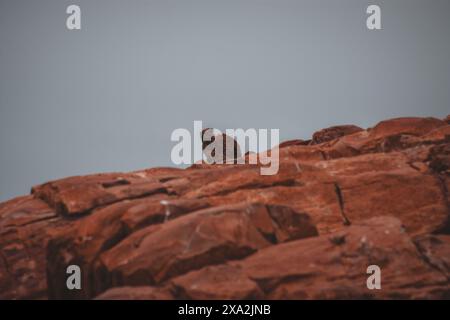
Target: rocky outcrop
x=332 y=133
x=26 y=225
x=346 y=199
x=325 y=267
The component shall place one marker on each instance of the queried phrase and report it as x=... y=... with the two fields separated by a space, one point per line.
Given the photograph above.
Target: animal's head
x=207 y=141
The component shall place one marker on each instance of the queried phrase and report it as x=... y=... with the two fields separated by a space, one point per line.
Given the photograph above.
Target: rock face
x=347 y=199
x=332 y=133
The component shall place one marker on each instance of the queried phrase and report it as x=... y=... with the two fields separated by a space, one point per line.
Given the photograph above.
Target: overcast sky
x=107 y=97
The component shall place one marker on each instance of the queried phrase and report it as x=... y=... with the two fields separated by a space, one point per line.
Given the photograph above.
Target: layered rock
x=332 y=133
x=26 y=226
x=346 y=199
x=327 y=267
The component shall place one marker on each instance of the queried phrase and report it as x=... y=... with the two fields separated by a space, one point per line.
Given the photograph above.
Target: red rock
x=447 y=119
x=296 y=142
x=366 y=193
x=103 y=229
x=370 y=185
x=78 y=195
x=26 y=225
x=157 y=253
x=441 y=134
x=327 y=267
x=436 y=252
x=439 y=158
x=390 y=135
x=135 y=293
x=225 y=231
x=218 y=282
x=332 y=133
x=410 y=126
x=245 y=178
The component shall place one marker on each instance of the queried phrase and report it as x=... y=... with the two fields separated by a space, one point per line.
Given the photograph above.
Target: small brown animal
x=229 y=146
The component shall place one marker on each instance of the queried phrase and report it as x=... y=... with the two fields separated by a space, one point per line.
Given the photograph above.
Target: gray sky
x=107 y=97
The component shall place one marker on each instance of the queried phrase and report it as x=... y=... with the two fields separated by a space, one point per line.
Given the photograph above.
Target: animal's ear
x=205 y=130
